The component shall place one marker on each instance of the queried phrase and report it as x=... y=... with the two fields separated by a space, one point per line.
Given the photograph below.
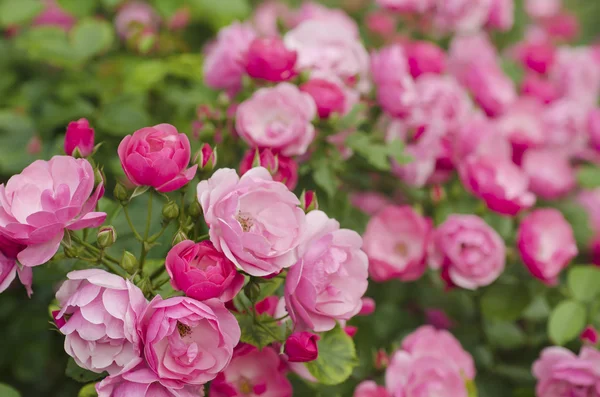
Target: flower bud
x=79 y=139
x=308 y=201
x=206 y=157
x=99 y=177
x=170 y=210
x=327 y=95
x=368 y=307
x=350 y=330
x=589 y=335
x=269 y=59
x=382 y=360
x=107 y=235
x=179 y=237
x=437 y=194
x=301 y=347
x=252 y=291
x=266 y=159
x=121 y=192
x=129 y=262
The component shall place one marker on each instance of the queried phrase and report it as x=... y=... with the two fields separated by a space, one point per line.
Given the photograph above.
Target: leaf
x=16 y=12
x=352 y=118
x=259 y=331
x=48 y=44
x=566 y=321
x=8 y=391
x=584 y=282
x=337 y=358
x=471 y=388
x=325 y=178
x=145 y=76
x=123 y=115
x=588 y=176
x=220 y=13
x=139 y=191
x=397 y=150
x=513 y=70
x=88 y=390
x=81 y=375
x=504 y=335
x=91 y=37
x=578 y=217
x=268 y=287
x=504 y=302
x=78 y=8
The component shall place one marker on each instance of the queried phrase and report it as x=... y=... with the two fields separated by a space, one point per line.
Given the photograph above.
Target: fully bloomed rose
x=187 y=341
x=278 y=118
x=253 y=220
x=396 y=241
x=368 y=388
x=9 y=268
x=468 y=251
x=252 y=373
x=270 y=60
x=100 y=311
x=202 y=272
x=329 y=279
x=551 y=175
x=79 y=136
x=546 y=244
x=48 y=197
x=157 y=156
x=461 y=15
x=136 y=15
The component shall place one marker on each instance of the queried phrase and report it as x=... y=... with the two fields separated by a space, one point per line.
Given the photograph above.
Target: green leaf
x=259 y=331
x=48 y=44
x=81 y=375
x=268 y=287
x=78 y=8
x=88 y=390
x=16 y=12
x=566 y=321
x=337 y=358
x=220 y=13
x=504 y=335
x=513 y=70
x=91 y=37
x=352 y=118
x=471 y=388
x=111 y=4
x=123 y=115
x=504 y=302
x=325 y=178
x=139 y=191
x=588 y=176
x=578 y=217
x=584 y=282
x=145 y=76
x=397 y=150
x=8 y=391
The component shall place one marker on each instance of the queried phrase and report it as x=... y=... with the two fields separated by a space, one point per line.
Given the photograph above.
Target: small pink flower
x=562 y=26
x=101 y=311
x=134 y=17
x=157 y=156
x=542 y=8
x=438 y=319
x=502 y=15
x=301 y=347
x=468 y=251
x=381 y=22
x=522 y=127
x=48 y=197
x=9 y=268
x=253 y=220
x=461 y=15
x=54 y=15
x=81 y=136
x=396 y=92
x=537 y=56
x=589 y=335
x=328 y=96
x=396 y=241
x=479 y=136
x=425 y=57
x=368 y=388
x=270 y=60
x=550 y=173
x=546 y=244
x=368 y=307
x=329 y=279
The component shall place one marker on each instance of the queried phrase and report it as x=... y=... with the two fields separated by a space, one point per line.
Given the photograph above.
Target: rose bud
x=170 y=210
x=382 y=360
x=350 y=330
x=206 y=157
x=134 y=17
x=589 y=335
x=301 y=347
x=308 y=201
x=179 y=237
x=269 y=59
x=282 y=169
x=368 y=307
x=129 y=262
x=328 y=96
x=107 y=235
x=265 y=158
x=79 y=136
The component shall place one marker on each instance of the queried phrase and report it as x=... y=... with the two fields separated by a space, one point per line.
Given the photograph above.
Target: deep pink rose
x=396 y=92
x=546 y=244
x=468 y=251
x=589 y=335
x=278 y=118
x=37 y=205
x=576 y=74
x=542 y=8
x=101 y=311
x=396 y=241
x=202 y=272
x=283 y=169
x=9 y=268
x=425 y=57
x=593 y=128
x=537 y=56
x=368 y=388
x=136 y=16
x=270 y=60
x=328 y=96
x=502 y=15
x=522 y=127
x=311 y=10
x=157 y=156
x=225 y=60
x=539 y=87
x=81 y=136
x=461 y=15
x=427 y=341
x=54 y=15
x=301 y=347
x=550 y=173
x=252 y=373
x=253 y=220
x=188 y=341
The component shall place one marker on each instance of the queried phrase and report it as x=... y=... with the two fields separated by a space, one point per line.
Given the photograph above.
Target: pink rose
x=502 y=15
x=311 y=10
x=589 y=335
x=330 y=278
x=369 y=202
x=157 y=156
x=268 y=15
x=550 y=173
x=479 y=136
x=461 y=15
x=101 y=311
x=283 y=169
x=593 y=128
x=136 y=16
x=427 y=341
x=301 y=347
x=522 y=127
x=425 y=57
x=37 y=205
x=9 y=268
x=253 y=220
x=590 y=201
x=542 y=8
x=565 y=125
x=468 y=251
x=563 y=26
x=396 y=91
x=202 y=272
x=278 y=118
x=225 y=60
x=328 y=96
x=54 y=15
x=79 y=136
x=252 y=372
x=368 y=388
x=396 y=241
x=537 y=56
x=546 y=244
x=406 y=6
x=186 y=341
x=381 y=23
x=576 y=74
x=270 y=60
x=539 y=88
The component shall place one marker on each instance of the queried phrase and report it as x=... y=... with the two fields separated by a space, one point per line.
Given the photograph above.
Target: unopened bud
x=437 y=194
x=194 y=209
x=129 y=262
x=170 y=210
x=179 y=237
x=589 y=335
x=308 y=201
x=252 y=291
x=107 y=235
x=382 y=360
x=206 y=157
x=99 y=177
x=121 y=192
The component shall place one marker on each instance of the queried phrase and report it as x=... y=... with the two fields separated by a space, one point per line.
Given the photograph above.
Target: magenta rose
x=278 y=118
x=202 y=272
x=396 y=241
x=461 y=15
x=157 y=156
x=546 y=244
x=135 y=16
x=301 y=347
x=37 y=205
x=9 y=268
x=468 y=251
x=329 y=97
x=188 y=341
x=252 y=372
x=270 y=60
x=330 y=278
x=368 y=388
x=79 y=136
x=536 y=55
x=425 y=57
x=253 y=220
x=551 y=175
x=100 y=312
x=283 y=169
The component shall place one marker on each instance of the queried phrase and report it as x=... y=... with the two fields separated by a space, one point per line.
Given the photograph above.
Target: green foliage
x=566 y=322
x=88 y=390
x=584 y=283
x=588 y=176
x=7 y=391
x=504 y=302
x=337 y=358
x=377 y=154
x=259 y=330
x=14 y=12
x=81 y=375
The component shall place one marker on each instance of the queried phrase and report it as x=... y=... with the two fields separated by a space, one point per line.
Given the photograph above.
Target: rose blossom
x=381 y=23
x=54 y=15
x=589 y=335
x=537 y=56
x=79 y=136
x=188 y=341
x=564 y=123
x=540 y=88
x=9 y=268
x=301 y=347
x=425 y=57
x=136 y=14
x=278 y=118
x=502 y=15
x=329 y=279
x=546 y=244
x=396 y=91
x=468 y=251
x=522 y=127
x=101 y=311
x=542 y=8
x=576 y=74
x=563 y=26
x=479 y=136
x=283 y=169
x=329 y=97
x=396 y=241
x=406 y=6
x=461 y=15
x=157 y=156
x=202 y=272
x=311 y=10
x=252 y=373
x=37 y=205
x=368 y=388
x=550 y=173
x=253 y=220
x=270 y=60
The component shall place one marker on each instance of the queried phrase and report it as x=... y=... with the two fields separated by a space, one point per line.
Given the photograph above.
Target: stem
x=146 y=232
x=158 y=272
x=114 y=268
x=94 y=250
x=276 y=320
x=156 y=236
x=203 y=237
x=135 y=232
x=161 y=283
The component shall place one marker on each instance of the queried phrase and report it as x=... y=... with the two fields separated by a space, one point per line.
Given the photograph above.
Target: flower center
x=245 y=386
x=184 y=330
x=245 y=221
x=401 y=248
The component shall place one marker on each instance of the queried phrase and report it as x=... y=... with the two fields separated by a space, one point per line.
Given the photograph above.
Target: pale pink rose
x=576 y=74
x=311 y=10
x=593 y=128
x=409 y=376
x=368 y=388
x=330 y=278
x=396 y=92
x=47 y=198
x=253 y=220
x=407 y=6
x=565 y=125
x=101 y=311
x=542 y=8
x=468 y=251
x=590 y=201
x=479 y=136
x=550 y=173
x=9 y=268
x=396 y=241
x=461 y=15
x=502 y=15
x=427 y=341
x=54 y=15
x=252 y=373
x=546 y=244
x=136 y=16
x=187 y=341
x=225 y=60
x=157 y=156
x=278 y=118
x=268 y=15
x=369 y=202
x=539 y=88
x=425 y=57
x=522 y=127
